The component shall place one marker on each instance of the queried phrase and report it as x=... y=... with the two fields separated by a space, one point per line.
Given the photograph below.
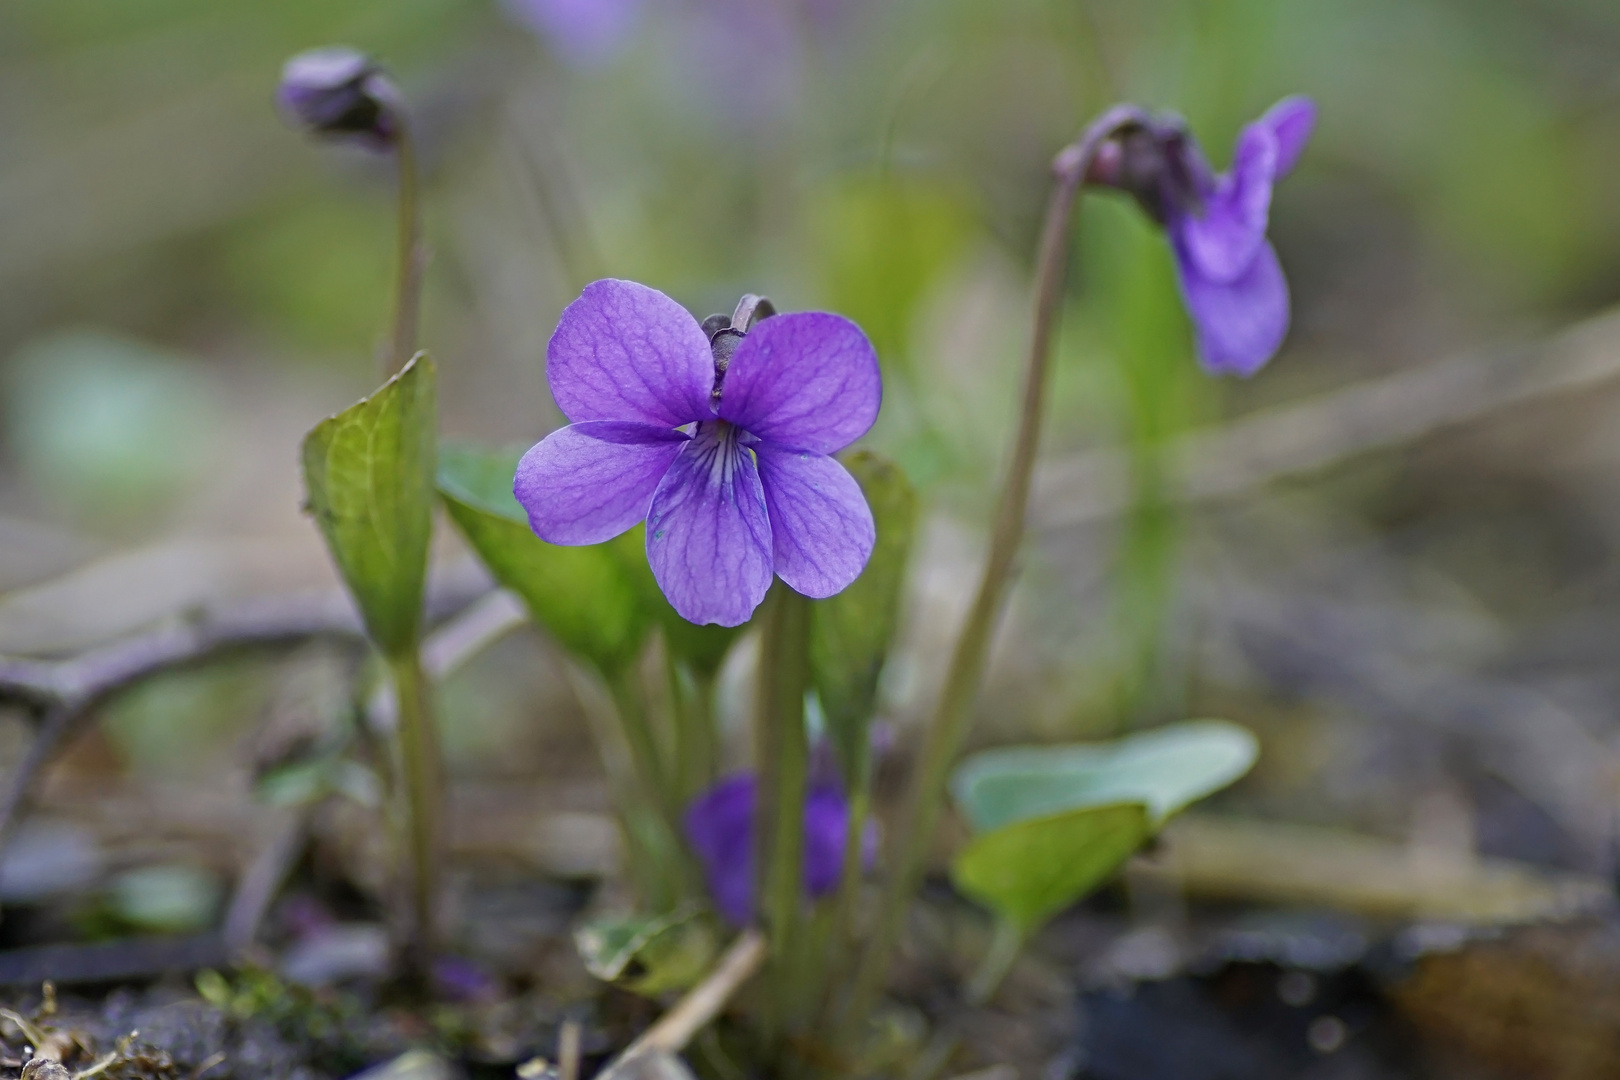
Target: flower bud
x=1157 y=163
x=340 y=93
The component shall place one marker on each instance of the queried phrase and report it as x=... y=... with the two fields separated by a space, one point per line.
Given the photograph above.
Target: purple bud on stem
x=339 y=93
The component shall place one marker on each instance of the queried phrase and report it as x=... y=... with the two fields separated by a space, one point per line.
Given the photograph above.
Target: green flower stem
x=948 y=727
x=639 y=736
x=408 y=286
x=860 y=813
x=691 y=698
x=422 y=775
x=1005 y=945
x=783 y=753
x=660 y=824
x=842 y=943
x=648 y=848
x=1145 y=574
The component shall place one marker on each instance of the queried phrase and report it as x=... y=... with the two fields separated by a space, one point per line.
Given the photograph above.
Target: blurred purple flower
x=720 y=828
x=1230 y=278
x=340 y=93
x=463 y=980
x=583 y=32
x=725 y=454
x=759 y=78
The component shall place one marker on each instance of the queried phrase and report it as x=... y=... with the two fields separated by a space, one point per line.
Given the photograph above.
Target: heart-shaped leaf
x=369 y=474
x=1029 y=871
x=589 y=598
x=1165 y=769
x=649 y=954
x=850 y=633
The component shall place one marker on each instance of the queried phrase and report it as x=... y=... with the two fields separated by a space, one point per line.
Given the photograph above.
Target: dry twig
x=1299 y=438
x=65 y=690
x=697 y=1009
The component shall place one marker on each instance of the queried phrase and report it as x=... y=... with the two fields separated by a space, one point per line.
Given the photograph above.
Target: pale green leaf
x=589 y=598
x=851 y=632
x=649 y=954
x=368 y=472
x=1165 y=769
x=1029 y=871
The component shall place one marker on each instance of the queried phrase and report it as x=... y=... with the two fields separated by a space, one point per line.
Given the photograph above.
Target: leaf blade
x=369 y=479
x=587 y=597
x=1166 y=769
x=1030 y=870
x=851 y=632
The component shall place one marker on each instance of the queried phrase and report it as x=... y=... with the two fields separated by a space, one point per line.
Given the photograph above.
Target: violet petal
x=720 y=827
x=587 y=483
x=623 y=351
x=826 y=825
x=583 y=32
x=808 y=380
x=708 y=531
x=1223 y=239
x=821 y=528
x=1240 y=324
x=1291 y=121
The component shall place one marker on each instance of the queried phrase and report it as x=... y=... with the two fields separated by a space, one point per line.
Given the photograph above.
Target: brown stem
x=952 y=717
x=408 y=289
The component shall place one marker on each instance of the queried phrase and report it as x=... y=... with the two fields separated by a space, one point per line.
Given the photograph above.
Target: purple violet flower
x=340 y=93
x=1230 y=278
x=720 y=828
x=583 y=32
x=725 y=454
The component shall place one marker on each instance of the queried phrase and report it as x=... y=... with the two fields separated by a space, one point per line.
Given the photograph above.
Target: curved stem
x=952 y=716
x=408 y=286
x=750 y=310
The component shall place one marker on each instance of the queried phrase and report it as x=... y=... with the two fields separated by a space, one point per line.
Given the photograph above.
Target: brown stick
x=65 y=690
x=698 y=1008
x=1301 y=437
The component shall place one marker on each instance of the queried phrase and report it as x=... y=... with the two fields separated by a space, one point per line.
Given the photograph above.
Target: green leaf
x=649 y=955
x=172 y=899
x=850 y=633
x=1165 y=769
x=591 y=599
x=369 y=476
x=1031 y=870
x=481 y=477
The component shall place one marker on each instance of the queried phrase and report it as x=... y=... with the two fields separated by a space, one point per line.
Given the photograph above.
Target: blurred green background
x=186 y=285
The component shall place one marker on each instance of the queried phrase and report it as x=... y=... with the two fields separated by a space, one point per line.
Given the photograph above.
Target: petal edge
x=589 y=482
x=1240 y=324
x=808 y=380
x=623 y=351
x=822 y=530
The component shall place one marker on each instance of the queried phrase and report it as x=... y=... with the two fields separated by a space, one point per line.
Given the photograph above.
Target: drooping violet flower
x=1230 y=278
x=723 y=447
x=583 y=32
x=340 y=93
x=720 y=828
